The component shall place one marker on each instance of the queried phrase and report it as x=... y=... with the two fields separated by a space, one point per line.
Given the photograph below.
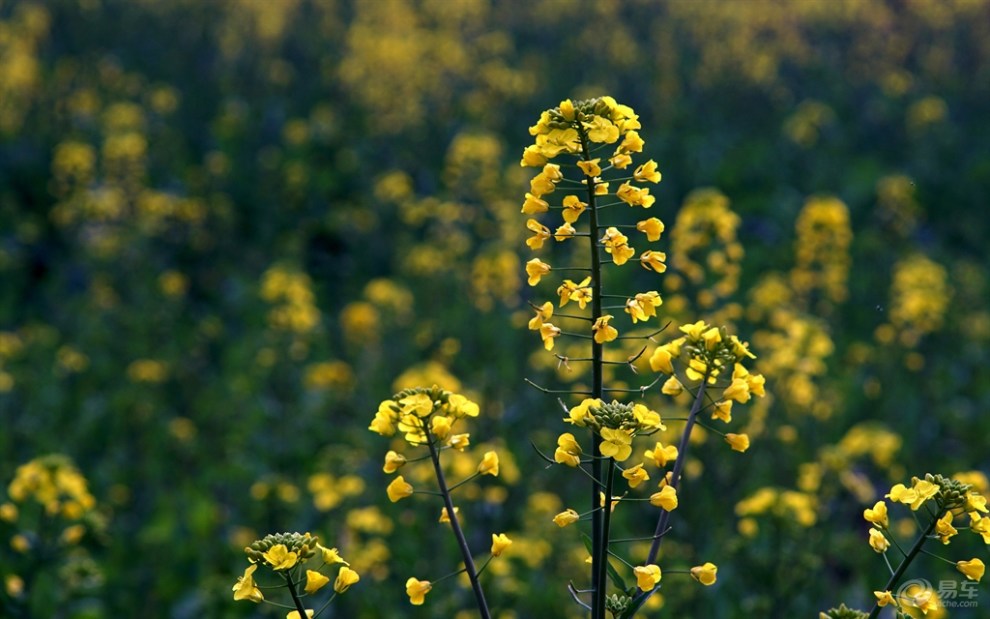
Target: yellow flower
x=536 y=269
x=944 y=528
x=647 y=172
x=566 y=517
x=548 y=332
x=601 y=130
x=564 y=232
x=578 y=415
x=666 y=498
x=331 y=555
x=418 y=404
x=245 y=589
x=460 y=442
x=573 y=209
x=616 y=443
x=651 y=227
x=636 y=475
x=440 y=426
x=653 y=260
x=541 y=234
x=590 y=168
x=532 y=157
x=980 y=526
x=315 y=581
x=543 y=314
x=877 y=515
x=279 y=557
x=738 y=390
x=972 y=569
x=662 y=455
x=632 y=143
x=499 y=543
x=738 y=442
x=552 y=172
x=294 y=614
x=384 y=421
x=568 y=451
x=705 y=574
x=647 y=419
x=635 y=196
x=461 y=407
x=660 y=360
x=541 y=184
x=976 y=502
x=672 y=387
x=884 y=598
x=579 y=292
x=620 y=161
x=723 y=410
x=533 y=205
x=878 y=540
x=647 y=576
x=604 y=332
x=445 y=515
x=489 y=464
x=417 y=590
x=345 y=578
x=566 y=108
x=398 y=489
x=393 y=461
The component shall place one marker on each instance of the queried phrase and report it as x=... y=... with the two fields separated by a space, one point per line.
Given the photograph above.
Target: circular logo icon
x=916 y=590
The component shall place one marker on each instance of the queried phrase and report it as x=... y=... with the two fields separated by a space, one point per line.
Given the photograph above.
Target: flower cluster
x=285 y=554
x=709 y=353
x=426 y=417
x=48 y=519
x=576 y=130
x=944 y=500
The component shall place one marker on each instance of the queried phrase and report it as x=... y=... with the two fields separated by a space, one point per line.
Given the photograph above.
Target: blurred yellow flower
x=738 y=442
x=489 y=464
x=398 y=489
x=705 y=574
x=417 y=590
x=499 y=543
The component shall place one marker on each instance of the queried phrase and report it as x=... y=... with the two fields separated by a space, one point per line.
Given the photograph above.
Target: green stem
x=295 y=595
x=896 y=576
x=455 y=525
x=598 y=542
x=675 y=479
x=601 y=564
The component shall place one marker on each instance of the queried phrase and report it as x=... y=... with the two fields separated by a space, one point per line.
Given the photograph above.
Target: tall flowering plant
x=585 y=151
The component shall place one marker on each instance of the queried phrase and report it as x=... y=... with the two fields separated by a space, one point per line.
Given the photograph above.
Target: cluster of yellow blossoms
x=944 y=499
x=426 y=417
x=55 y=484
x=285 y=554
x=575 y=129
x=709 y=353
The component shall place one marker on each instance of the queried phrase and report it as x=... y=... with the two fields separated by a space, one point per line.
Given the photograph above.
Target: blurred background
x=228 y=229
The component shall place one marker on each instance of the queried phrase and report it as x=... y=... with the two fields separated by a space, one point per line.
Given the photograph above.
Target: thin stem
x=294 y=594
x=455 y=525
x=598 y=544
x=896 y=576
x=664 y=519
x=601 y=564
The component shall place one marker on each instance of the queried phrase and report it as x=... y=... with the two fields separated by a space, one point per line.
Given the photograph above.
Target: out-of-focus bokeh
x=228 y=229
